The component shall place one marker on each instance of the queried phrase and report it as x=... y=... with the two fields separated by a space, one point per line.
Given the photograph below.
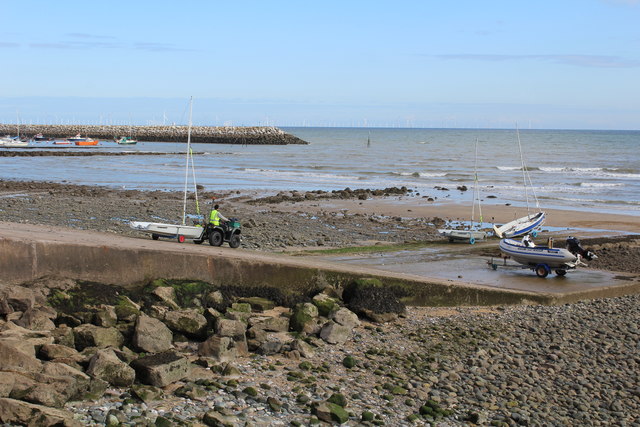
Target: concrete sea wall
x=267 y=135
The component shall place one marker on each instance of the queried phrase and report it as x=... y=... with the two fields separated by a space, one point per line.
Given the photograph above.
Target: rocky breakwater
x=265 y=135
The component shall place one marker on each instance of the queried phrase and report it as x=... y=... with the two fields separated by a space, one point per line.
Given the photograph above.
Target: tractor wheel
x=198 y=241
x=215 y=238
x=155 y=236
x=542 y=271
x=234 y=242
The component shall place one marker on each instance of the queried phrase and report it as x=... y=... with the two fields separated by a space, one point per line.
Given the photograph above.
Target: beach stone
x=215 y=299
x=105 y=316
x=147 y=393
x=151 y=335
x=188 y=322
x=306 y=350
x=38 y=318
x=220 y=348
x=258 y=304
x=16 y=412
x=325 y=304
x=105 y=365
x=334 y=333
x=17 y=298
x=56 y=351
x=96 y=336
x=12 y=358
x=345 y=317
x=303 y=318
x=126 y=309
x=330 y=413
x=167 y=296
x=162 y=369
x=230 y=328
x=216 y=419
x=270 y=323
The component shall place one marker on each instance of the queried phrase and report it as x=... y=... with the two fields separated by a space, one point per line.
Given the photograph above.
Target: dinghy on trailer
x=543 y=259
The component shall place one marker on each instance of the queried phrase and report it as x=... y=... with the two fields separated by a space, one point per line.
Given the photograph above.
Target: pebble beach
x=574 y=364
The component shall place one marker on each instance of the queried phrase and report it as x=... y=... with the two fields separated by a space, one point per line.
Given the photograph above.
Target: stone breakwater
x=266 y=135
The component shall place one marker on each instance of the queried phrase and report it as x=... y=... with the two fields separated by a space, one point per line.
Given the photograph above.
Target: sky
x=569 y=64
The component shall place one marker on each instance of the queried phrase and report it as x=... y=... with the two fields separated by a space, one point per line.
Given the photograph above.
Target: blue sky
x=571 y=64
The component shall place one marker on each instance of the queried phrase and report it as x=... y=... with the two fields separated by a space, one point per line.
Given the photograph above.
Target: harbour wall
x=30 y=252
x=266 y=135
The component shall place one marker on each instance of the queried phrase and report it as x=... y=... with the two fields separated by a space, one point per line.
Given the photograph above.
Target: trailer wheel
x=155 y=236
x=542 y=270
x=180 y=238
x=534 y=233
x=234 y=242
x=561 y=272
x=215 y=238
x=472 y=241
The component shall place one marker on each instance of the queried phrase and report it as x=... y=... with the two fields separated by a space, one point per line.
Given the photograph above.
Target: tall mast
x=186 y=172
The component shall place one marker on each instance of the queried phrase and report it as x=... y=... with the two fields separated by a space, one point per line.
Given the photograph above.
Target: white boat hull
x=532 y=256
x=168 y=230
x=463 y=235
x=518 y=227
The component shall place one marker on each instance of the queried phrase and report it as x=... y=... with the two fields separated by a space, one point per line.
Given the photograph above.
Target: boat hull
x=168 y=230
x=532 y=256
x=518 y=227
x=463 y=235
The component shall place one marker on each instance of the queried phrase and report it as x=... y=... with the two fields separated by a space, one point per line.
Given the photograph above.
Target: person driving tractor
x=215 y=217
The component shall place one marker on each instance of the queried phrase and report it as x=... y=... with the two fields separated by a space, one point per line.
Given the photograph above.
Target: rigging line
x=195 y=184
x=524 y=170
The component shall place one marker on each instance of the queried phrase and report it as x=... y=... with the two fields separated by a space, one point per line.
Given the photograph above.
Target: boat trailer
x=542 y=270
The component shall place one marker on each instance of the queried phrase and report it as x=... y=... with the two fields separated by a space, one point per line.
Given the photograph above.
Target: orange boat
x=79 y=140
x=87 y=141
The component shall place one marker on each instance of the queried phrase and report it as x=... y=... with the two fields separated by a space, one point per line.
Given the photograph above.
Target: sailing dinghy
x=472 y=234
x=529 y=224
x=179 y=231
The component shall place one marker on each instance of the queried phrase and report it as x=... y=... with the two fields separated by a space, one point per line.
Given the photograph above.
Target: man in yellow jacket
x=216 y=216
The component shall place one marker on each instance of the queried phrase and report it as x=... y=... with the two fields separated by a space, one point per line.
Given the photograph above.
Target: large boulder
x=16 y=412
x=14 y=359
x=187 y=322
x=162 y=369
x=105 y=365
x=345 y=317
x=105 y=316
x=38 y=319
x=304 y=318
x=151 y=335
x=96 y=336
x=222 y=349
x=166 y=295
x=17 y=298
x=335 y=333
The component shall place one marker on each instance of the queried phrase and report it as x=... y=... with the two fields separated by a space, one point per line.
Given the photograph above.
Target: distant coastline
x=255 y=135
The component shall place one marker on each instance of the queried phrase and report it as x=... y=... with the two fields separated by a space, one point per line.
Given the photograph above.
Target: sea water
x=569 y=169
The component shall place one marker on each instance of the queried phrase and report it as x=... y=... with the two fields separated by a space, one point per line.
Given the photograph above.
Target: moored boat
x=525 y=225
x=82 y=141
x=126 y=140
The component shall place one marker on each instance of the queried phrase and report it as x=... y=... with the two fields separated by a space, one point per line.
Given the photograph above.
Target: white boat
x=13 y=142
x=126 y=140
x=472 y=234
x=179 y=231
x=543 y=259
x=517 y=227
x=530 y=223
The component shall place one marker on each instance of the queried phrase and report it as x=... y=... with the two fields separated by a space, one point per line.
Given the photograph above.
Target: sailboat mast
x=186 y=172
x=524 y=170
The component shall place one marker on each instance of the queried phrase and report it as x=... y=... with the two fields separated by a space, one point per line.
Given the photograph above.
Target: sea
x=585 y=170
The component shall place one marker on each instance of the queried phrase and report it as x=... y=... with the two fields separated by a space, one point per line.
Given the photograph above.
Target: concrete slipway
x=29 y=252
